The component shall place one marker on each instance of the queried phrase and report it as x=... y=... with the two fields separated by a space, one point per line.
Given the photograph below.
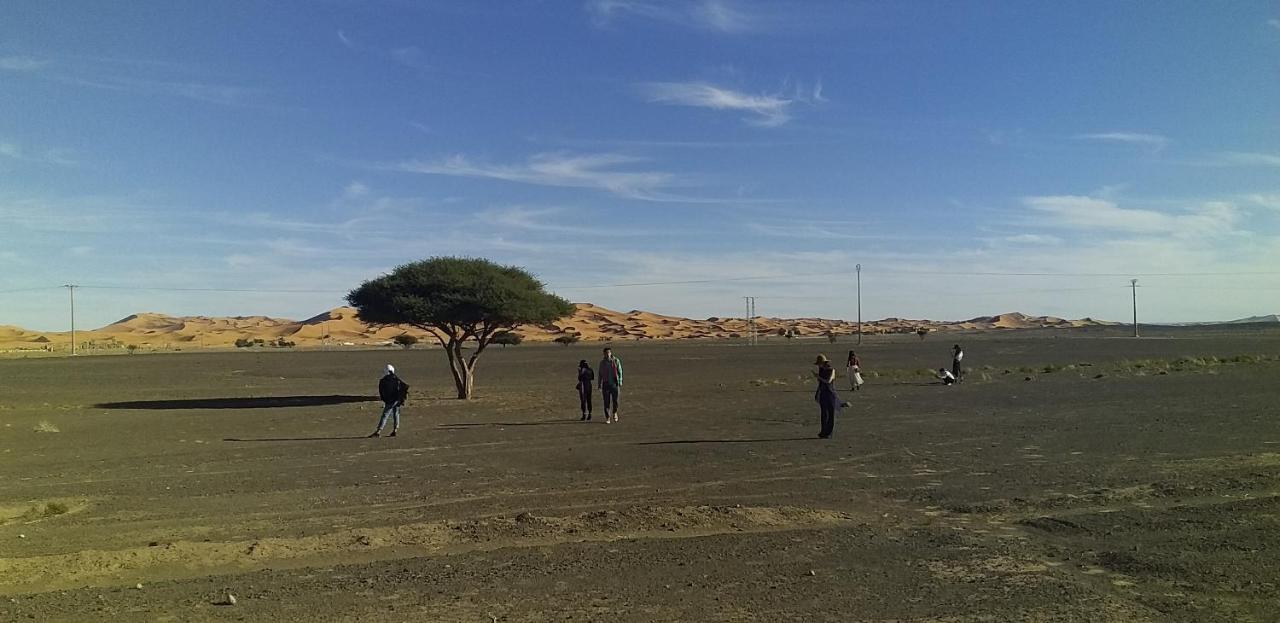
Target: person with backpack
x=393 y=393
x=585 y=378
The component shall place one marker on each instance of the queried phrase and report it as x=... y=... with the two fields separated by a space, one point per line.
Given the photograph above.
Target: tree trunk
x=463 y=374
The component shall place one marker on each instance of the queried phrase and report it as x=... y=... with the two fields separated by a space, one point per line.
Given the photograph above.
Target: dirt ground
x=1074 y=476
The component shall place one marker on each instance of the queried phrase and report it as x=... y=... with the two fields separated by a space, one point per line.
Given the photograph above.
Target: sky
x=974 y=158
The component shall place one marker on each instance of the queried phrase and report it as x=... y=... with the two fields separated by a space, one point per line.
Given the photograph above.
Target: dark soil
x=1150 y=493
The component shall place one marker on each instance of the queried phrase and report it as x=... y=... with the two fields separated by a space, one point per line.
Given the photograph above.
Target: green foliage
x=132 y=348
x=405 y=340
x=568 y=339
x=458 y=300
x=243 y=342
x=507 y=338
x=469 y=295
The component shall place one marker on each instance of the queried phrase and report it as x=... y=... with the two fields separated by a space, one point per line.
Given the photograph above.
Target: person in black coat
x=585 y=378
x=829 y=402
x=393 y=393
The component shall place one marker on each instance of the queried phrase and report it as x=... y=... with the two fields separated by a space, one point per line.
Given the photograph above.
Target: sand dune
x=341 y=326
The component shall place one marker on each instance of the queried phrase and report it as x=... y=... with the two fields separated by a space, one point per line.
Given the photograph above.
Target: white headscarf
x=391 y=369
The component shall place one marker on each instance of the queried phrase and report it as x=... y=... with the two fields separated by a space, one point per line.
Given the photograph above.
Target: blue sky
x=302 y=147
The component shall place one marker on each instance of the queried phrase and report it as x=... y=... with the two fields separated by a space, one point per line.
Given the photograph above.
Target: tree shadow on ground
x=237 y=439
x=266 y=402
x=475 y=424
x=688 y=441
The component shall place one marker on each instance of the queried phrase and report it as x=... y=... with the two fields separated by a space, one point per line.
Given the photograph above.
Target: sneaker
x=374 y=434
x=588 y=417
x=608 y=421
x=393 y=434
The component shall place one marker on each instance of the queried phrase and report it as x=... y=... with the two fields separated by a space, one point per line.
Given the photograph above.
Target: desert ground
x=1077 y=475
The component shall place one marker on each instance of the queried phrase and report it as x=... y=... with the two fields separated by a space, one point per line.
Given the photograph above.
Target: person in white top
x=947 y=377
x=957 y=355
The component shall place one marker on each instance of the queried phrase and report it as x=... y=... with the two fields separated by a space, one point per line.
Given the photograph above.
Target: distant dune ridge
x=590 y=322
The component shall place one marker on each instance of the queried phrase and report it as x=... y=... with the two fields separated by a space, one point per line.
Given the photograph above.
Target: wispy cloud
x=598 y=171
x=346 y=41
x=1245 y=159
x=1033 y=239
x=13 y=151
x=22 y=63
x=1154 y=142
x=721 y=16
x=222 y=94
x=1271 y=201
x=554 y=221
x=764 y=110
x=412 y=57
x=1209 y=219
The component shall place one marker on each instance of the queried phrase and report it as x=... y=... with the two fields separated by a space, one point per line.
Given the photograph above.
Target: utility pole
x=1133 y=284
x=754 y=333
x=858 y=269
x=72 y=289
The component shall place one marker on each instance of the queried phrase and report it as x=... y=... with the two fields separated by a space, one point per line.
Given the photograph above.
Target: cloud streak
x=13 y=151
x=722 y=16
x=1154 y=142
x=1215 y=218
x=762 y=110
x=22 y=63
x=1246 y=159
x=596 y=171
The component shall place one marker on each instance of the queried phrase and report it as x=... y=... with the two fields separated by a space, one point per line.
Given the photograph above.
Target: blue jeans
x=392 y=409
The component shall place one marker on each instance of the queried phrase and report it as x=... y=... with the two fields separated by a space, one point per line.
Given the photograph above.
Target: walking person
x=957 y=355
x=610 y=385
x=585 y=380
x=829 y=401
x=393 y=393
x=854 y=368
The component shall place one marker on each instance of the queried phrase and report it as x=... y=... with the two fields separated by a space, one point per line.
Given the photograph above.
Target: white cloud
x=1213 y=218
x=226 y=95
x=721 y=16
x=1033 y=239
x=345 y=40
x=1155 y=142
x=598 y=171
x=355 y=190
x=13 y=151
x=765 y=110
x=412 y=57
x=1271 y=201
x=1246 y=159
x=21 y=63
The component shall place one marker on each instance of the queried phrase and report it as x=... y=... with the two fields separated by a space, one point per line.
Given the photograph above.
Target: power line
x=258 y=290
x=29 y=289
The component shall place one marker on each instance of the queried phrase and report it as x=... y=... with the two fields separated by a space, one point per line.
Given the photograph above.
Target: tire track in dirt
x=188 y=559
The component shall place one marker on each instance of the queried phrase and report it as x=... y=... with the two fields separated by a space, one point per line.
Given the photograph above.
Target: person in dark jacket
x=829 y=401
x=585 y=378
x=610 y=384
x=957 y=356
x=393 y=393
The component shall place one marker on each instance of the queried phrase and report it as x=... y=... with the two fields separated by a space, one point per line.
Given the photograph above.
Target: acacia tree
x=457 y=300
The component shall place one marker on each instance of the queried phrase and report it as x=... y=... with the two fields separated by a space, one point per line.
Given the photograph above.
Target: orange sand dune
x=341 y=326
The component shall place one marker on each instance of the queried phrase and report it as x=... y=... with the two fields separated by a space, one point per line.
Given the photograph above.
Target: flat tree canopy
x=457 y=300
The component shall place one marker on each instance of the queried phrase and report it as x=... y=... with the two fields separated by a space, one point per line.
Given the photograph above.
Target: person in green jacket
x=610 y=375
